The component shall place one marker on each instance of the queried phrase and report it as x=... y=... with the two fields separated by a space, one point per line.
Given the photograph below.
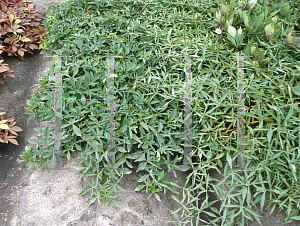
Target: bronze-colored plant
x=4 y=71
x=19 y=31
x=5 y=128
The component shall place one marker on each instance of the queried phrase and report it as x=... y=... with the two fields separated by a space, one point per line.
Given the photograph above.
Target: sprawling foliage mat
x=149 y=99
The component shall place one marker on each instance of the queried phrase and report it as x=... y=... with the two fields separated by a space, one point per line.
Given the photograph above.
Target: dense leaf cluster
x=149 y=96
x=19 y=32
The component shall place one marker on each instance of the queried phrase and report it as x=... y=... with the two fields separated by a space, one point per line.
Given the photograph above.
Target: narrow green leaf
x=120 y=188
x=175 y=198
x=153 y=130
x=129 y=164
x=137 y=139
x=296 y=218
x=262 y=201
x=88 y=174
x=145 y=126
x=29 y=119
x=210 y=214
x=244 y=193
x=160 y=126
x=48 y=168
x=76 y=130
x=157 y=197
x=253 y=213
x=160 y=175
x=159 y=139
x=272 y=209
x=84 y=191
x=53 y=160
x=75 y=70
x=121 y=149
x=78 y=167
x=124 y=125
x=116 y=203
x=92 y=201
x=229 y=160
x=68 y=155
x=140 y=187
x=219 y=156
x=215 y=210
x=269 y=135
x=183 y=167
x=291 y=112
x=130 y=133
x=143 y=178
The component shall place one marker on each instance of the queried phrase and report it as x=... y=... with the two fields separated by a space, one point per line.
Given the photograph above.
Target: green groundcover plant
x=149 y=93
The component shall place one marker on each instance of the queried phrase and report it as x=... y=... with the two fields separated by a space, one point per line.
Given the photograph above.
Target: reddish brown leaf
x=5 y=134
x=13 y=132
x=10 y=119
x=7 y=40
x=21 y=53
x=14 y=20
x=5 y=140
x=16 y=128
x=28 y=51
x=11 y=18
x=36 y=31
x=11 y=137
x=41 y=30
x=19 y=31
x=13 y=141
x=10 y=74
x=3 y=69
x=14 y=49
x=33 y=46
x=4 y=76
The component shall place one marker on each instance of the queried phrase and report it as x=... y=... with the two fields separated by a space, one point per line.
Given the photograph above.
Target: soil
x=33 y=197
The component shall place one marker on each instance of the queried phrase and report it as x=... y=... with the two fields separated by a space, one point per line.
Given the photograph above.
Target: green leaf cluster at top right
x=262 y=21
